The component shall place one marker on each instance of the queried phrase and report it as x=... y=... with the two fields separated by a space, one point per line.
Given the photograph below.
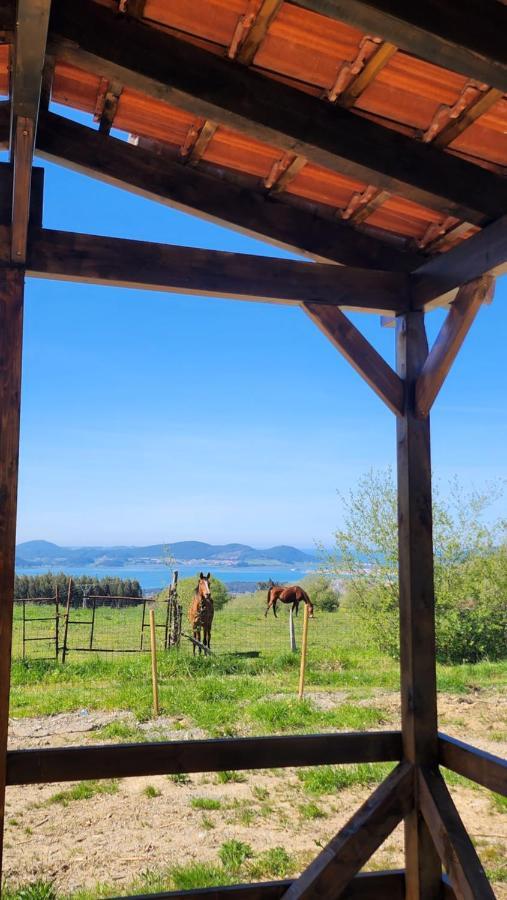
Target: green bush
x=470 y=571
x=321 y=592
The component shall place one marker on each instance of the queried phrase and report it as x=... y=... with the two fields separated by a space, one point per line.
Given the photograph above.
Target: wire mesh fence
x=52 y=628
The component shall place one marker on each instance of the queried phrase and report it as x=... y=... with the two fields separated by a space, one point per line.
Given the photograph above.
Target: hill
x=45 y=553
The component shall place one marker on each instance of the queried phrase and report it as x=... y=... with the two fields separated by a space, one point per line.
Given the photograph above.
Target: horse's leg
x=274 y=608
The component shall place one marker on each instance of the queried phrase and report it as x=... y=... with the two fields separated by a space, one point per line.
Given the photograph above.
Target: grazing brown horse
x=200 y=614
x=291 y=593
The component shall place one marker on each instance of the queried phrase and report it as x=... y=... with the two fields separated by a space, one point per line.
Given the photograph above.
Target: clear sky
x=150 y=417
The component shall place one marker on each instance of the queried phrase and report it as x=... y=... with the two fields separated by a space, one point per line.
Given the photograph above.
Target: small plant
x=151 y=791
x=198 y=875
x=121 y=731
x=84 y=790
x=205 y=803
x=39 y=890
x=273 y=863
x=226 y=776
x=179 y=778
x=499 y=803
x=233 y=855
x=330 y=779
x=207 y=823
x=260 y=793
x=311 y=811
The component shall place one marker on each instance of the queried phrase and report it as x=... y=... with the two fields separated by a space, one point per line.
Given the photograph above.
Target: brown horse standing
x=201 y=612
x=291 y=593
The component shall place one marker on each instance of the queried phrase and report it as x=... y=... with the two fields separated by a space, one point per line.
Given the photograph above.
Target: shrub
x=322 y=593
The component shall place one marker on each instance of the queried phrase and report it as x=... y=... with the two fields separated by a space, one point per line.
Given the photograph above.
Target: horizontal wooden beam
x=329 y=874
x=451 y=840
x=199 y=192
x=485 y=252
x=484 y=768
x=467 y=39
x=450 y=339
x=365 y=886
x=158 y=64
x=165 y=758
x=163 y=267
x=360 y=354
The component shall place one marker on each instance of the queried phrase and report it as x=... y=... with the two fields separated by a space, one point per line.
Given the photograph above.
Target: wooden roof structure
x=371 y=137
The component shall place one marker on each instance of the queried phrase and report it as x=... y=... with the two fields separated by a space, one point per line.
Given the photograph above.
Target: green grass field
x=247 y=686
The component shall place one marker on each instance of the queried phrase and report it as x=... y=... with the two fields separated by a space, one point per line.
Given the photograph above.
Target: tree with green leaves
x=470 y=569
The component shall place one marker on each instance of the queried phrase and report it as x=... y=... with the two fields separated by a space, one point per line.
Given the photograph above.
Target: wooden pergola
x=369 y=135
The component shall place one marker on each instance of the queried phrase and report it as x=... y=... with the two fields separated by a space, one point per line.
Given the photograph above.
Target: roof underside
x=318 y=56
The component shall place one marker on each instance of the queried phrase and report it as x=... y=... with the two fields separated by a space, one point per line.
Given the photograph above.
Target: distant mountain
x=44 y=553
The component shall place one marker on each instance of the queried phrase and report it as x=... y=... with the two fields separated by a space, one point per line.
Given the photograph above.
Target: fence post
x=24 y=628
x=292 y=634
x=57 y=622
x=66 y=626
x=304 y=645
x=154 y=678
x=93 y=622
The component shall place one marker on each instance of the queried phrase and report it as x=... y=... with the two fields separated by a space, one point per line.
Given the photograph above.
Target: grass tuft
x=205 y=803
x=84 y=790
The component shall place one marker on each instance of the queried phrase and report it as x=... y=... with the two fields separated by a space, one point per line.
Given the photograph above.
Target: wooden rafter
x=257 y=31
x=468 y=40
x=30 y=46
x=453 y=332
x=284 y=171
x=330 y=873
x=107 y=105
x=164 y=267
x=450 y=837
x=362 y=204
x=364 y=78
x=202 y=141
x=197 y=191
x=478 y=765
x=468 y=116
x=210 y=755
x=210 y=87
x=484 y=252
x=359 y=353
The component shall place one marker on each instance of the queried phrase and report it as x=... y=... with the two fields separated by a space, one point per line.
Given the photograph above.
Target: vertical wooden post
x=417 y=602
x=66 y=623
x=11 y=339
x=154 y=676
x=24 y=628
x=93 y=622
x=292 y=634
x=304 y=645
x=57 y=622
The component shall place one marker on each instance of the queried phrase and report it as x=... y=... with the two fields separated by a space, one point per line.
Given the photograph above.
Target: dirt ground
x=111 y=838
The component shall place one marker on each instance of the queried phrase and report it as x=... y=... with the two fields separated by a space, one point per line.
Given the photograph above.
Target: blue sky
x=152 y=417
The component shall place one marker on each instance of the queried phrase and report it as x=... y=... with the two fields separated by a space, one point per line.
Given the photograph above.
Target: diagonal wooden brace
x=460 y=317
x=330 y=873
x=451 y=840
x=360 y=354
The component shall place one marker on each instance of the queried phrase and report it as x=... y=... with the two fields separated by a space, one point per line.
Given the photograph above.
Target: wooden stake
x=304 y=645
x=154 y=678
x=292 y=635
x=66 y=625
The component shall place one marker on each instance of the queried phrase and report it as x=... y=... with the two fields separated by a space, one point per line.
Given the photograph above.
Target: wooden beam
x=485 y=252
x=466 y=40
x=11 y=331
x=204 y=138
x=256 y=34
x=196 y=191
x=329 y=874
x=361 y=81
x=32 y=21
x=449 y=835
x=165 y=267
x=416 y=599
x=213 y=755
x=365 y=886
x=481 y=767
x=455 y=127
x=360 y=354
x=177 y=72
x=450 y=339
